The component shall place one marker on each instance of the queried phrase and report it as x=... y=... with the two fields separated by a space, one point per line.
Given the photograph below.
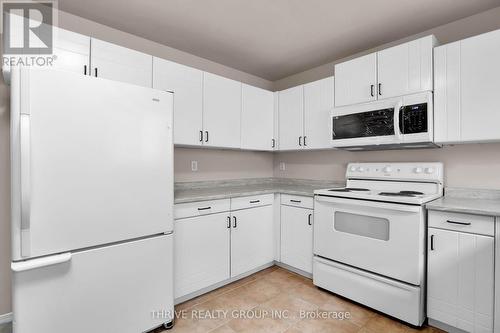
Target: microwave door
x=364 y=128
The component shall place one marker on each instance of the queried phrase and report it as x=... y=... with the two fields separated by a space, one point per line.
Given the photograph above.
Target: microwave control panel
x=413 y=118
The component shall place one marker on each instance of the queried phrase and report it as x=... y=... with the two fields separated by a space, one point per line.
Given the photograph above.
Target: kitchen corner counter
x=468 y=201
x=201 y=191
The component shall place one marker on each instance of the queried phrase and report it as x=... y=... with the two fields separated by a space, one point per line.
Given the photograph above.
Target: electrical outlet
x=282 y=166
x=194 y=166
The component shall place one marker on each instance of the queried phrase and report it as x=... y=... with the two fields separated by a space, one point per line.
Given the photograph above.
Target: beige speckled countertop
x=200 y=191
x=468 y=201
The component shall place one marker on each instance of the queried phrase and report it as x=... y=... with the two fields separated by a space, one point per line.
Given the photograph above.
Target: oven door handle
x=397 y=129
x=369 y=204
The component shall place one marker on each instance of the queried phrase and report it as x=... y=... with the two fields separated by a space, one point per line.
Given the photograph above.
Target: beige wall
x=467 y=27
x=4 y=200
x=221 y=164
x=474 y=165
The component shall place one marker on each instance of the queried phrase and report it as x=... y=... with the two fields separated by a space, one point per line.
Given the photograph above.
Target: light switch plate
x=282 y=166
x=194 y=166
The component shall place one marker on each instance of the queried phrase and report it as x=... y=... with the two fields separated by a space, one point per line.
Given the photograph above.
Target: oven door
x=383 y=238
x=375 y=123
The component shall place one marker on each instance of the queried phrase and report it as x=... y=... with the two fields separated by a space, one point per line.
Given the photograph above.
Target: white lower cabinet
x=297 y=237
x=460 y=278
x=213 y=244
x=201 y=252
x=252 y=239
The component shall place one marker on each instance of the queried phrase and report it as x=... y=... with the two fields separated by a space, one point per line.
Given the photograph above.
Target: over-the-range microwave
x=392 y=123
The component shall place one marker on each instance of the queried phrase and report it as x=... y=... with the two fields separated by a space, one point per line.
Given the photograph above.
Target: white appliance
x=402 y=122
x=92 y=202
x=369 y=237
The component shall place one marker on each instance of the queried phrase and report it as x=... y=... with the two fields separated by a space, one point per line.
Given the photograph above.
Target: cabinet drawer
x=252 y=201
x=198 y=208
x=297 y=201
x=475 y=224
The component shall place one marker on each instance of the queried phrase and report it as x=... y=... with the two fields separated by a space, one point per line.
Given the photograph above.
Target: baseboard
x=197 y=293
x=5 y=318
x=294 y=270
x=444 y=327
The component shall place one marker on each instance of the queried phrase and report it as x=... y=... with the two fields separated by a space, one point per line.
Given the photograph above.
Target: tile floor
x=276 y=289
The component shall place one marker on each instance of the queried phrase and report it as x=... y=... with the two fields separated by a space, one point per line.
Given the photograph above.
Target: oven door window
x=364 y=124
x=362 y=225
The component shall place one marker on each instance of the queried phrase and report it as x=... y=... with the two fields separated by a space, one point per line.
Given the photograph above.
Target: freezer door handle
x=40 y=262
x=25 y=145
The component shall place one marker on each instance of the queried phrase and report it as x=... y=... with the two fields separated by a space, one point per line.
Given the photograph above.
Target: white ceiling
x=274 y=38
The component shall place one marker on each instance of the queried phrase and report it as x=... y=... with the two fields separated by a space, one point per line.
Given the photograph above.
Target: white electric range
x=369 y=237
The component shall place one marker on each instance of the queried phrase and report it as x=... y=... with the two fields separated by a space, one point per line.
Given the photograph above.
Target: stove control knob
x=361 y=169
x=429 y=170
x=387 y=169
x=353 y=168
x=417 y=170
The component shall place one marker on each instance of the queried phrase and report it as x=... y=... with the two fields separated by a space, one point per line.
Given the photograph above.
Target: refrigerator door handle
x=40 y=262
x=25 y=145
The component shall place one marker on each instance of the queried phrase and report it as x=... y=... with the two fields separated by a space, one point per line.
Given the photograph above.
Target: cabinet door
x=276 y=131
x=297 y=237
x=252 y=239
x=257 y=118
x=119 y=63
x=355 y=80
x=187 y=85
x=480 y=86
x=221 y=111
x=318 y=102
x=291 y=118
x=460 y=279
x=71 y=51
x=201 y=252
x=466 y=94
x=447 y=126
x=406 y=68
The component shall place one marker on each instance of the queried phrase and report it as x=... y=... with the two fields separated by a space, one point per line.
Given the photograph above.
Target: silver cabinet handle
x=206 y=136
x=305 y=144
x=25 y=146
x=380 y=89
x=432 y=242
x=235 y=222
x=459 y=223
x=309 y=219
x=254 y=201
x=273 y=143
x=201 y=136
x=95 y=71
x=300 y=141
x=229 y=222
x=371 y=90
x=84 y=69
x=296 y=201
x=205 y=208
x=40 y=262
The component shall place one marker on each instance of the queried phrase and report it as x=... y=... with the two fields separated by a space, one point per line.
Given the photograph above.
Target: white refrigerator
x=92 y=202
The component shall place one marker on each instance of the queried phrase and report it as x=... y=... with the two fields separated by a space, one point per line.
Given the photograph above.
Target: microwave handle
x=397 y=130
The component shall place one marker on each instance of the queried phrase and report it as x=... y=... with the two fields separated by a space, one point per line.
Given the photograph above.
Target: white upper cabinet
x=356 y=80
x=318 y=102
x=221 y=111
x=71 y=51
x=276 y=131
x=257 y=118
x=467 y=86
x=187 y=85
x=396 y=71
x=119 y=63
x=406 y=68
x=291 y=118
